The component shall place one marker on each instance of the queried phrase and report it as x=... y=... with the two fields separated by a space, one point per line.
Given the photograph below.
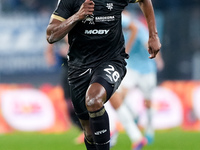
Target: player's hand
x=153 y=46
x=87 y=8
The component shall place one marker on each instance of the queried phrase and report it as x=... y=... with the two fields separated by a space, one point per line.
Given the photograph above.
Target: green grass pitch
x=173 y=139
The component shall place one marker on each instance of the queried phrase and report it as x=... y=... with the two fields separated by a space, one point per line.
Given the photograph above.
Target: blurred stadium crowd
x=32 y=6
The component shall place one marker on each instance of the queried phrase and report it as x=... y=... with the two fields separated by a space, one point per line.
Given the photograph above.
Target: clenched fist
x=153 y=46
x=87 y=8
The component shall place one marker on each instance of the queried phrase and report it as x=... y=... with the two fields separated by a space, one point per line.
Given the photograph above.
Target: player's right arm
x=58 y=27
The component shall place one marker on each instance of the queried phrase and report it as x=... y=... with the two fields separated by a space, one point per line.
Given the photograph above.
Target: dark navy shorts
x=108 y=74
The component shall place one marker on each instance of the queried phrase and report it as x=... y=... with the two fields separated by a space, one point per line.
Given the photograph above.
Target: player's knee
x=95 y=97
x=93 y=104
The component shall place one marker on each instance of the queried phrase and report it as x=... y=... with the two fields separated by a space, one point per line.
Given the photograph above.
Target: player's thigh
x=79 y=83
x=109 y=75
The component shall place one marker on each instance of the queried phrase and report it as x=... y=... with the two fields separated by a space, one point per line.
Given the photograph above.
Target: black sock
x=100 y=126
x=89 y=145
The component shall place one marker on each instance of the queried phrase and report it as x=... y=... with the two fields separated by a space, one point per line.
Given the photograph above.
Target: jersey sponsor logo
x=101 y=132
x=96 y=31
x=104 y=18
x=89 y=18
x=112 y=74
x=109 y=6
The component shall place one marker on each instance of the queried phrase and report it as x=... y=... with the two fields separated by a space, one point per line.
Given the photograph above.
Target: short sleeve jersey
x=99 y=37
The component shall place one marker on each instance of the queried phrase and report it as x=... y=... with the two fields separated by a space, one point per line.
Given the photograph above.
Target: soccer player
x=141 y=72
x=96 y=57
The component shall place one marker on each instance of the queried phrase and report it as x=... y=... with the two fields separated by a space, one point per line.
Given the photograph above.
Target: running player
x=96 y=57
x=141 y=72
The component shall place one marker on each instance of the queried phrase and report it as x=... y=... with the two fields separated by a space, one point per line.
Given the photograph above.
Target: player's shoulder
x=66 y=8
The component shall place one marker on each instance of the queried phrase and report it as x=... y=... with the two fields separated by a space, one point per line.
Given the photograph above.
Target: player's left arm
x=154 y=44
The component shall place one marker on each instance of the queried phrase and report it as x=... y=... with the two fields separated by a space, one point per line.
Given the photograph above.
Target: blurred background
x=30 y=88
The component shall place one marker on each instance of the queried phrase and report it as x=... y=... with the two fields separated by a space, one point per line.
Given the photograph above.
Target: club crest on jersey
x=89 y=18
x=110 y=6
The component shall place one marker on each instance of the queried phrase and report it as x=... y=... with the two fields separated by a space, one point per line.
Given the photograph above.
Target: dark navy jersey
x=99 y=37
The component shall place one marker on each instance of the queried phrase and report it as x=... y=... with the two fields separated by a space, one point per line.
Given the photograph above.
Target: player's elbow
x=50 y=38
